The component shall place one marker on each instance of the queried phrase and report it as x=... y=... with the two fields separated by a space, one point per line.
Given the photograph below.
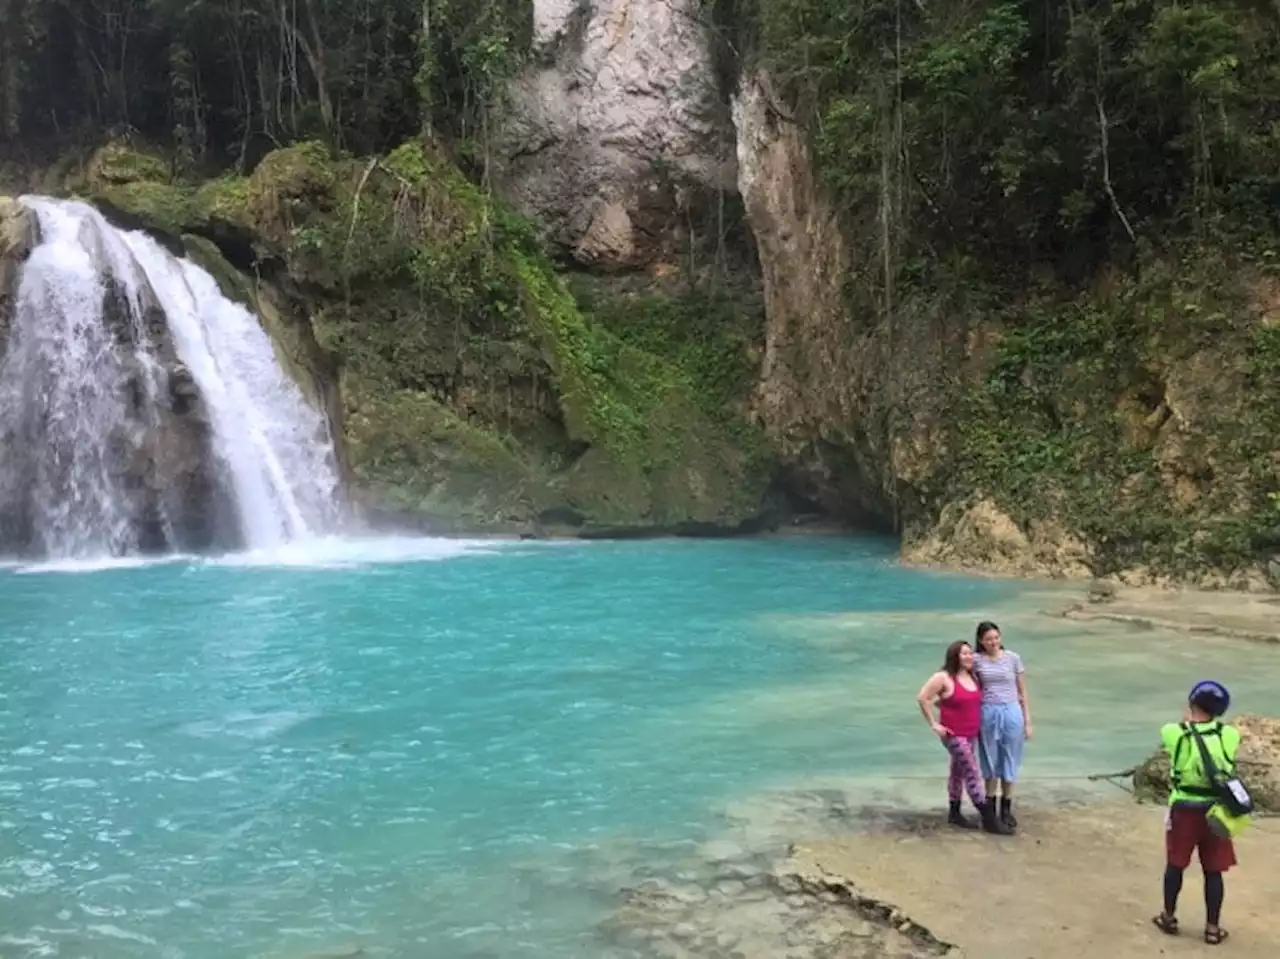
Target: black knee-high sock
x=1213 y=893
x=1173 y=886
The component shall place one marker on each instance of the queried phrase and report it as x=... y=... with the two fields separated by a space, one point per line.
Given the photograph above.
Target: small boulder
x=1102 y=591
x=19 y=230
x=19 y=234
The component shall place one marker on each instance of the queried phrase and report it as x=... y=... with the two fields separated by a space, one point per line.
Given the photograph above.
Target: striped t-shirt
x=999 y=676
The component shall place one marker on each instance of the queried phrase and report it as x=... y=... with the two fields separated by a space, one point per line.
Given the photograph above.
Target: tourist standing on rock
x=958 y=694
x=1190 y=797
x=1006 y=717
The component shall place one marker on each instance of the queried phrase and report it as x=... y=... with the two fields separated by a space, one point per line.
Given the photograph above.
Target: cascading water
x=276 y=448
x=140 y=410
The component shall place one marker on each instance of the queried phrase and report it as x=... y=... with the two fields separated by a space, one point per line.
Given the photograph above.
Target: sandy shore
x=1075 y=882
x=1254 y=616
x=863 y=868
x=1080 y=878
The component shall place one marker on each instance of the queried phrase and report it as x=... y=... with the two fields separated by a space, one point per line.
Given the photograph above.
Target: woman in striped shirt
x=1006 y=716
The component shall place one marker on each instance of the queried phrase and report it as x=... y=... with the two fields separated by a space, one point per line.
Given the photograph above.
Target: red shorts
x=1187 y=829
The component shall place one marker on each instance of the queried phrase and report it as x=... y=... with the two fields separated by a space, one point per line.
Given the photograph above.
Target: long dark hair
x=984 y=627
x=951 y=663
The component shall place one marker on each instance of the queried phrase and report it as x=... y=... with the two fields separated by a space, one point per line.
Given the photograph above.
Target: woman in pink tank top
x=956 y=690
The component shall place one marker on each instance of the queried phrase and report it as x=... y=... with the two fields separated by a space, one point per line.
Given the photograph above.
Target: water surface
x=446 y=748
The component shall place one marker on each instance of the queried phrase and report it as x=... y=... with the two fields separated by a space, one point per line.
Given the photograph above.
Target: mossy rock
x=1139 y=417
x=472 y=383
x=222 y=206
x=118 y=164
x=410 y=453
x=206 y=255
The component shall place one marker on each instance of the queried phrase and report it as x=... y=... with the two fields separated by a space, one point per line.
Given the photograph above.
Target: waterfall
x=142 y=411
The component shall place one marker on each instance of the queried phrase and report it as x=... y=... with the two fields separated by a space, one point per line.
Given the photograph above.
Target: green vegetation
x=1089 y=190
x=344 y=147
x=1134 y=413
x=473 y=386
x=1094 y=187
x=222 y=82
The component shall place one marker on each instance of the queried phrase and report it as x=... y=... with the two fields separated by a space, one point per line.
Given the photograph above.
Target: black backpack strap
x=1189 y=732
x=1177 y=755
x=1211 y=771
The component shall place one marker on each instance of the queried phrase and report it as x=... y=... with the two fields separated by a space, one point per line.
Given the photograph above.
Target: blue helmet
x=1211 y=696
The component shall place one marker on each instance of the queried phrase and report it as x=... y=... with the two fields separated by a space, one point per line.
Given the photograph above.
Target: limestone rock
x=615 y=127
x=981 y=535
x=19 y=232
x=1258 y=764
x=819 y=365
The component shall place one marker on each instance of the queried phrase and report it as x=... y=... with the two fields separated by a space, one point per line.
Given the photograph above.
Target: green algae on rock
x=470 y=386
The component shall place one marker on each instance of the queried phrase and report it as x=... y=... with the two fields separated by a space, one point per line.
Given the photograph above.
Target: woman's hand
x=1027 y=731
x=942 y=731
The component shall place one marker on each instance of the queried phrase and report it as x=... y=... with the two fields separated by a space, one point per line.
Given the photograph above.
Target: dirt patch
x=1076 y=881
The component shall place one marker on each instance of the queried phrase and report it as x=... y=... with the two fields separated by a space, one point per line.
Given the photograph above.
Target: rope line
x=1112 y=778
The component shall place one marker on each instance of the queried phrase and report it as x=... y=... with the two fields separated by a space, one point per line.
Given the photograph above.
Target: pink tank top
x=961 y=712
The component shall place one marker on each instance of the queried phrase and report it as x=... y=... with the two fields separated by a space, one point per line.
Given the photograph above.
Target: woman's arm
x=928 y=693
x=1024 y=702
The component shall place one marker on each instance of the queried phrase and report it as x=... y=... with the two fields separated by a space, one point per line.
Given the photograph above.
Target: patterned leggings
x=964 y=770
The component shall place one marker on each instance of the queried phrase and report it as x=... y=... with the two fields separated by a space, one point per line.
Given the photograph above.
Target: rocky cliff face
x=849 y=398
x=816 y=392
x=618 y=132
x=1123 y=429
x=1126 y=423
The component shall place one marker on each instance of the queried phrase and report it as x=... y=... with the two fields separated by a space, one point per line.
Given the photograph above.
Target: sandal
x=1215 y=937
x=1169 y=925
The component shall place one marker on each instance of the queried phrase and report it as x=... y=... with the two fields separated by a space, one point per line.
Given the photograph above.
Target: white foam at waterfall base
x=315 y=553
x=62 y=382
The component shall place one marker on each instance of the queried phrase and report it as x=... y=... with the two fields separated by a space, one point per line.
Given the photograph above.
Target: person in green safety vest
x=1190 y=796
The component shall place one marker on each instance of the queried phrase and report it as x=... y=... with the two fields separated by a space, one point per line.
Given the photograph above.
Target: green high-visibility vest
x=1188 y=781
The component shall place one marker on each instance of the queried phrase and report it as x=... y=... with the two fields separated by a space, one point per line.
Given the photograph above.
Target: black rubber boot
x=991 y=822
x=1006 y=813
x=955 y=819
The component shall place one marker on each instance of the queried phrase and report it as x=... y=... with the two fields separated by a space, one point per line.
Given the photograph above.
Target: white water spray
x=83 y=393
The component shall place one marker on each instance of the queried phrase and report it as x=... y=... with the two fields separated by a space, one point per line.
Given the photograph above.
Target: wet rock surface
x=747 y=909
x=739 y=895
x=18 y=236
x=1079 y=879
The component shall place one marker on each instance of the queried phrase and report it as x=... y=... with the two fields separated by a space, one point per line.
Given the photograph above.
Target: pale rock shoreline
x=1081 y=877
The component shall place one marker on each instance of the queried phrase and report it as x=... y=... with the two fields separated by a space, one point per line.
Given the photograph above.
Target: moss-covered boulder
x=470 y=383
x=1258 y=764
